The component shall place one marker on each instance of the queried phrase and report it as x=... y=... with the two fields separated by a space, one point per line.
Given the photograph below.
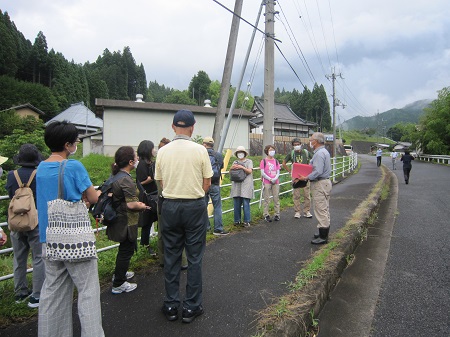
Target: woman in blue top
x=55 y=310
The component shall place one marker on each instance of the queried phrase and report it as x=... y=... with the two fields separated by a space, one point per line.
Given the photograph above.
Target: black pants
x=183 y=226
x=379 y=161
x=124 y=254
x=406 y=172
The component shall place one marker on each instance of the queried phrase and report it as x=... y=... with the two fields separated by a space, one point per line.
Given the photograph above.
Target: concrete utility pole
x=226 y=77
x=269 y=91
x=336 y=103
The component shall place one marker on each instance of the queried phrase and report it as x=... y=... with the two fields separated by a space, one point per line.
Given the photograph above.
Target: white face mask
x=241 y=155
x=271 y=153
x=154 y=152
x=74 y=151
x=310 y=144
x=297 y=147
x=136 y=163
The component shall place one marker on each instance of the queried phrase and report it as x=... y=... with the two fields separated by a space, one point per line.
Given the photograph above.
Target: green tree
x=180 y=97
x=158 y=93
x=199 y=86
x=434 y=135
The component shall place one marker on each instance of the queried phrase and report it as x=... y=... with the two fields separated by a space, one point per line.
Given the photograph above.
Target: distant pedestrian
x=379 y=154
x=184 y=171
x=407 y=165
x=242 y=192
x=394 y=156
x=320 y=186
x=270 y=171
x=55 y=305
x=216 y=159
x=124 y=229
x=302 y=156
x=145 y=177
x=28 y=158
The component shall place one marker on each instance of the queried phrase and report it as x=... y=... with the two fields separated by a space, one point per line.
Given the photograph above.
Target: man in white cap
x=2 y=161
x=184 y=172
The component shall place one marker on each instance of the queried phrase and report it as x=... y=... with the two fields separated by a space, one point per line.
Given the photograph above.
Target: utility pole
x=269 y=104
x=226 y=77
x=336 y=103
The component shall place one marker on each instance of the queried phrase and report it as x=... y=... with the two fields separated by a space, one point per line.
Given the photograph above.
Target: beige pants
x=271 y=190
x=306 y=198
x=321 y=196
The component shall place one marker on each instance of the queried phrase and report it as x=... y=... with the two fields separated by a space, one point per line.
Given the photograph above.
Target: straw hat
x=3 y=159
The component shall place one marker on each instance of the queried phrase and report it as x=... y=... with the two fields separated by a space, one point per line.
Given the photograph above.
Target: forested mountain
x=411 y=113
x=29 y=73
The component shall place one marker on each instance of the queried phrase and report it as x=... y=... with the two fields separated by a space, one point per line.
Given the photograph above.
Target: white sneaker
x=129 y=275
x=125 y=287
x=308 y=215
x=297 y=215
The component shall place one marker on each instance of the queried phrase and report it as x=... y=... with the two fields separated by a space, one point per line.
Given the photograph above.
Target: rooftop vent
x=207 y=103
x=139 y=98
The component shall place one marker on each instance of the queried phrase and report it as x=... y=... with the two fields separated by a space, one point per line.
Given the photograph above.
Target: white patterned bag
x=70 y=236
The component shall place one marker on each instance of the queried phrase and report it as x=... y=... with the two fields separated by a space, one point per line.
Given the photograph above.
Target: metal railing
x=437 y=158
x=341 y=166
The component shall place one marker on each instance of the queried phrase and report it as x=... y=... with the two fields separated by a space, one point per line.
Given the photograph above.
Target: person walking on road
x=270 y=171
x=406 y=159
x=28 y=158
x=216 y=159
x=299 y=155
x=184 y=171
x=379 y=154
x=320 y=186
x=394 y=156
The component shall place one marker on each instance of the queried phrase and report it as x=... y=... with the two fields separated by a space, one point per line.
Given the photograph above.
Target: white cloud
x=389 y=53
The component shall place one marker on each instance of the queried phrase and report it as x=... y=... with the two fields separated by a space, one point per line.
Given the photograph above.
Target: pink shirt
x=272 y=166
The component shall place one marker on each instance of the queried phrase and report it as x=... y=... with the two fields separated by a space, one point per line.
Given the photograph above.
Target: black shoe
x=267 y=218
x=316 y=235
x=171 y=313
x=22 y=298
x=323 y=237
x=276 y=218
x=238 y=224
x=189 y=315
x=246 y=224
x=220 y=232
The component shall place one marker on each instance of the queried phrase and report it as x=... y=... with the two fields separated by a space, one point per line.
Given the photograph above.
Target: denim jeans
x=238 y=202
x=216 y=199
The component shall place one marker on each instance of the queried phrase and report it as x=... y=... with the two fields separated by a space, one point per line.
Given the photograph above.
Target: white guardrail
x=437 y=158
x=341 y=166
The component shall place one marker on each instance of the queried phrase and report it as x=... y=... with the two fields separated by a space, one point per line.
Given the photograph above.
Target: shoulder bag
x=70 y=236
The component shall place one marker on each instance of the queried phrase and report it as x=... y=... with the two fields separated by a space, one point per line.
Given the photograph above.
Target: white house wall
x=130 y=127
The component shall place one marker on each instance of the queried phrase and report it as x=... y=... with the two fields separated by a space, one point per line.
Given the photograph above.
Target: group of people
x=406 y=158
x=182 y=216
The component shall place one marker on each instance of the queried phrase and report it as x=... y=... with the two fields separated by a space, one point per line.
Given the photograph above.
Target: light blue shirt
x=76 y=181
x=321 y=163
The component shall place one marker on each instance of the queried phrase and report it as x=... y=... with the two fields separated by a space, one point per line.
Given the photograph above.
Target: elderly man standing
x=184 y=171
x=320 y=186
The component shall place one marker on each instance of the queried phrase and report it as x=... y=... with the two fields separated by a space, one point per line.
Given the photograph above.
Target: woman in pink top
x=270 y=171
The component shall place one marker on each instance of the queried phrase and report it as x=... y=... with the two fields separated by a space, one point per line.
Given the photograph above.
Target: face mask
x=297 y=147
x=154 y=152
x=271 y=153
x=241 y=155
x=136 y=163
x=74 y=151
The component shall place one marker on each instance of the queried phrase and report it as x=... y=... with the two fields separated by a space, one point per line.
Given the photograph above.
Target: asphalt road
x=399 y=283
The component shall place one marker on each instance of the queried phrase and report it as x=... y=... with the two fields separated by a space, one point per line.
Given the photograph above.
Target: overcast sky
x=390 y=53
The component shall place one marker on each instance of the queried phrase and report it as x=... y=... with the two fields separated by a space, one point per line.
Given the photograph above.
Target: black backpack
x=104 y=210
x=217 y=174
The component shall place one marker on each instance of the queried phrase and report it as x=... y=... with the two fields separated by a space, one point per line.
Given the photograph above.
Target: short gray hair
x=319 y=137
